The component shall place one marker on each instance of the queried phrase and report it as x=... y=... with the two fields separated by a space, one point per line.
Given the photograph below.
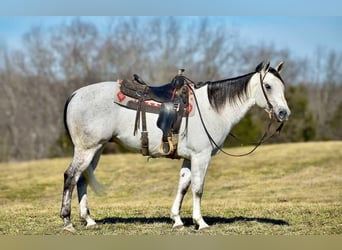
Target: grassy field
x=287 y=189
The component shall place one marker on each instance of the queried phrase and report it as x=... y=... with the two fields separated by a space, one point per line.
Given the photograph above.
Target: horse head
x=269 y=91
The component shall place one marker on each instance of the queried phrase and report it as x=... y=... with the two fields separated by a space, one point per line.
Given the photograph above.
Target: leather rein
x=262 y=139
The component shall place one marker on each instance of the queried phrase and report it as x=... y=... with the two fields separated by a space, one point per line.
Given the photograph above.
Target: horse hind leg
x=80 y=162
x=183 y=186
x=88 y=178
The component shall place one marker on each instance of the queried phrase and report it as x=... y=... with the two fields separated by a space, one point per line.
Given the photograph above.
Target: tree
x=36 y=79
x=247 y=131
x=301 y=125
x=335 y=123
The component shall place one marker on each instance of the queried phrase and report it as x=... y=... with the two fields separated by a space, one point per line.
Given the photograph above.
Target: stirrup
x=166 y=148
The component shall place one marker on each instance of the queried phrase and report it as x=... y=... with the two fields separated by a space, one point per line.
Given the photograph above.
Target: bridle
x=262 y=139
x=269 y=104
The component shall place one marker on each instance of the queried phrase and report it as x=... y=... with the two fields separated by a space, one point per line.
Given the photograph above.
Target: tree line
x=36 y=79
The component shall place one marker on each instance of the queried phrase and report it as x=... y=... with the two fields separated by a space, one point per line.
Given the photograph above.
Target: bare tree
x=36 y=79
x=75 y=46
x=39 y=56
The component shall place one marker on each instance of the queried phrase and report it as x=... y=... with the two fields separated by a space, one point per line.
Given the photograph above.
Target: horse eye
x=267 y=86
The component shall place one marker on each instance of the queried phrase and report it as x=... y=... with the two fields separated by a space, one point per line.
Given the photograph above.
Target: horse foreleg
x=183 y=185
x=199 y=168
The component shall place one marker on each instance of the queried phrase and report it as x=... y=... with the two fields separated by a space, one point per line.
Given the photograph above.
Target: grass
x=287 y=189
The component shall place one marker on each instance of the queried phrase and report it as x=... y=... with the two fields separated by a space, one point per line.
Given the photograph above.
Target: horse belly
x=124 y=131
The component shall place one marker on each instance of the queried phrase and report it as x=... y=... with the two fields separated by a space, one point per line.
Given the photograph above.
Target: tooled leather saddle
x=170 y=101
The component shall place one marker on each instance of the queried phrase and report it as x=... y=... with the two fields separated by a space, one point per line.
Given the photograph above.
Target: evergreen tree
x=301 y=125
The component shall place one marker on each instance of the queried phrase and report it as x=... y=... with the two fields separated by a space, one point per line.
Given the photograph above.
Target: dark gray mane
x=276 y=74
x=231 y=90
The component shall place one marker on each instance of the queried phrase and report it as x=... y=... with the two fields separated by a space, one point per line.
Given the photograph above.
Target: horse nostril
x=282 y=114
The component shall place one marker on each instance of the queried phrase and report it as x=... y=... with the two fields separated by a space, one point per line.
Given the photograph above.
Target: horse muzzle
x=282 y=114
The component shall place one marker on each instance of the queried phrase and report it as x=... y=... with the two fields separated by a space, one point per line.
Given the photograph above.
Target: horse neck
x=233 y=112
x=219 y=123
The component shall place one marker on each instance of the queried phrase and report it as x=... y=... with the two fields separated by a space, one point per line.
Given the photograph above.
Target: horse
x=92 y=118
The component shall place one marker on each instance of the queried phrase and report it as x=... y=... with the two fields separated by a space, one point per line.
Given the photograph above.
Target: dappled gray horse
x=93 y=118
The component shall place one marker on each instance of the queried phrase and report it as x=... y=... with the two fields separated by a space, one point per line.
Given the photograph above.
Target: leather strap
x=258 y=143
x=270 y=106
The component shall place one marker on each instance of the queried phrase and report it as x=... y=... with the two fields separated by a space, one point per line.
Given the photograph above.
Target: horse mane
x=276 y=74
x=231 y=90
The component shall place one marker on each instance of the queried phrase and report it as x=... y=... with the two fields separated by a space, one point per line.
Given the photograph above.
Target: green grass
x=287 y=189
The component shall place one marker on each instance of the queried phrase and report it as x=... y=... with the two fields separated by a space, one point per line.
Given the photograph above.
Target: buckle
x=176 y=106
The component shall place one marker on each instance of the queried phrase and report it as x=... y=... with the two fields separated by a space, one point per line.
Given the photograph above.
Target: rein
x=262 y=139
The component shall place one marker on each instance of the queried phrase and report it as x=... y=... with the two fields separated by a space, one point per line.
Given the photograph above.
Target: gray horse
x=93 y=118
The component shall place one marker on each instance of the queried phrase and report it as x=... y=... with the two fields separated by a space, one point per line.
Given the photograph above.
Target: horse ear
x=280 y=67
x=263 y=66
x=259 y=67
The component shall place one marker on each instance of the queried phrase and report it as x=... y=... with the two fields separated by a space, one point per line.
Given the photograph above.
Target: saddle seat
x=138 y=90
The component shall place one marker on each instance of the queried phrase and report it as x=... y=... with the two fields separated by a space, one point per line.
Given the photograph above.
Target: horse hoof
x=178 y=226
x=91 y=224
x=203 y=227
x=70 y=228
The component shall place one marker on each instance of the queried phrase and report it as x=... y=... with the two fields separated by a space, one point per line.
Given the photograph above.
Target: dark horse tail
x=65 y=114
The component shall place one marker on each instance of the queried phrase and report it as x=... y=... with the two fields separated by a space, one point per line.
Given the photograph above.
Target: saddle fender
x=166 y=119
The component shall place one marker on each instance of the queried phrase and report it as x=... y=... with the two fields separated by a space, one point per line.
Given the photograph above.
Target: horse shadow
x=211 y=220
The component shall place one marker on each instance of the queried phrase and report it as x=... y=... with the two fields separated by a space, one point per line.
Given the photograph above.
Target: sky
x=171 y=7
x=301 y=35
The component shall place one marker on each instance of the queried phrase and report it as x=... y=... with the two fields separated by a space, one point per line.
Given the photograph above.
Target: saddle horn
x=138 y=79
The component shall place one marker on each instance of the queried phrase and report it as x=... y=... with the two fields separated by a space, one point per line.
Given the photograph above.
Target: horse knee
x=185 y=173
x=184 y=184
x=197 y=189
x=197 y=184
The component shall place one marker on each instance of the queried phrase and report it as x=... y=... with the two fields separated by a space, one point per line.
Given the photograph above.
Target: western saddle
x=174 y=100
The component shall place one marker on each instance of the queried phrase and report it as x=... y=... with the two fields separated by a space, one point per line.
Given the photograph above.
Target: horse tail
x=90 y=178
x=65 y=114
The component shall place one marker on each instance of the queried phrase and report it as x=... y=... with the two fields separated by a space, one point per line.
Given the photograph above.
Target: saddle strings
x=262 y=139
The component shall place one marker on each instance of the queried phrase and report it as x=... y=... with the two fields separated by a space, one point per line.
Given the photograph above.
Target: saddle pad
x=151 y=106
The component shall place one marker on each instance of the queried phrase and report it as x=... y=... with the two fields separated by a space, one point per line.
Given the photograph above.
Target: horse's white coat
x=93 y=119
